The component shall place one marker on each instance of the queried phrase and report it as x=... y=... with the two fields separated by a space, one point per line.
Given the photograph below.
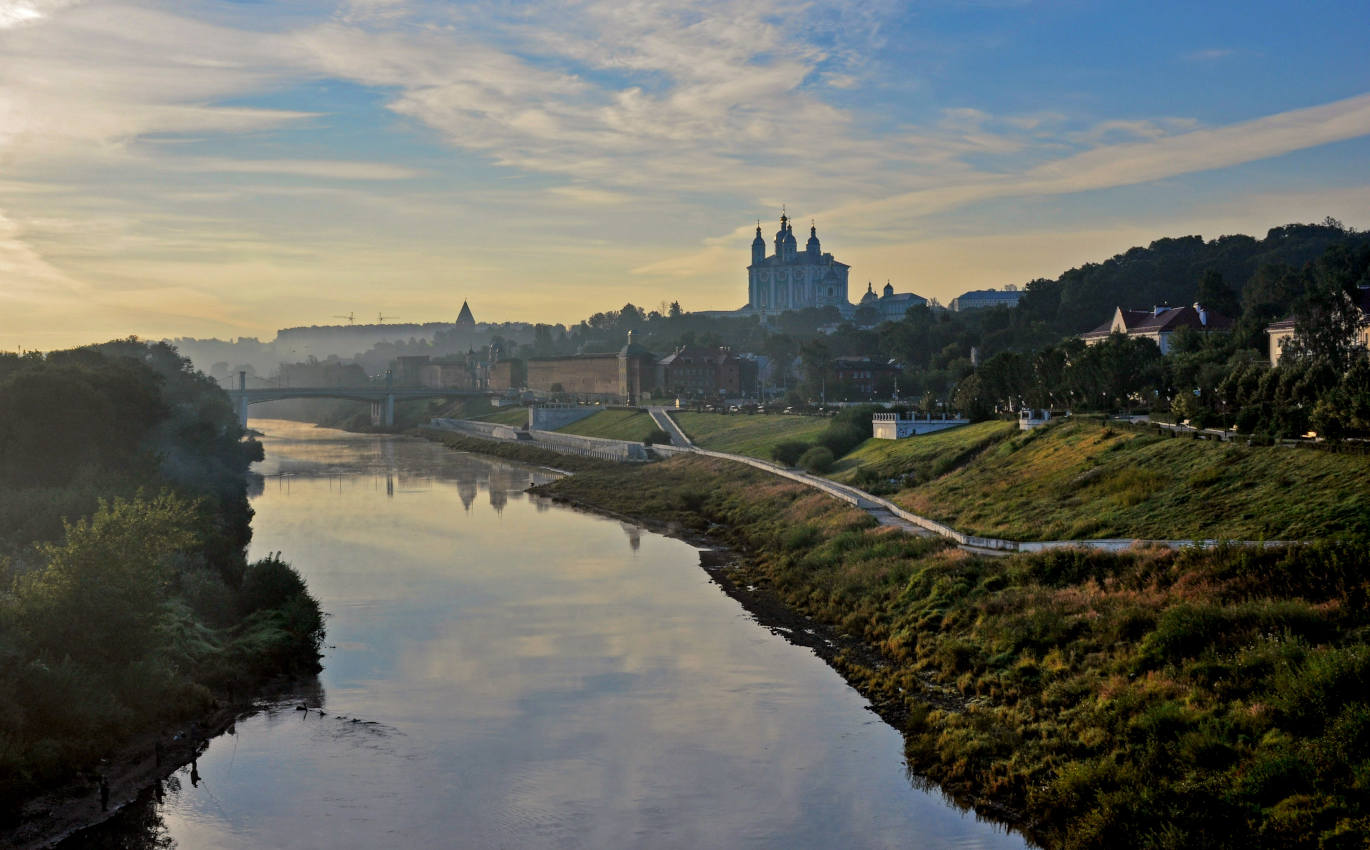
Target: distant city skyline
x=226 y=169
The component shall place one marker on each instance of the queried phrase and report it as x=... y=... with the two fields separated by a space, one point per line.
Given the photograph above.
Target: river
x=506 y=672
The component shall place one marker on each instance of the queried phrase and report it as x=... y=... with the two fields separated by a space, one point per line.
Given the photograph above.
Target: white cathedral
x=789 y=280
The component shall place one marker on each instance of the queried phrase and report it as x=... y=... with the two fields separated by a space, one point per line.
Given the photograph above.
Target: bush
x=789 y=452
x=657 y=437
x=842 y=437
x=817 y=460
x=269 y=583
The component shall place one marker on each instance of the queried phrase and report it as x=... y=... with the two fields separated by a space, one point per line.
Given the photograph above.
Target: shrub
x=658 y=436
x=789 y=452
x=817 y=460
x=269 y=583
x=842 y=437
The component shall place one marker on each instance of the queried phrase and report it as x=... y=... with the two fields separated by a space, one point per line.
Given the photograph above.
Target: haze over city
x=226 y=169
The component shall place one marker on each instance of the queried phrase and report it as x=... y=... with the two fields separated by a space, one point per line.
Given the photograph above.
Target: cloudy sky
x=222 y=169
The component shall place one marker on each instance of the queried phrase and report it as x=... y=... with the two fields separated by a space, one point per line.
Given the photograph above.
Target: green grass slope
x=505 y=415
x=616 y=424
x=917 y=459
x=753 y=436
x=1083 y=479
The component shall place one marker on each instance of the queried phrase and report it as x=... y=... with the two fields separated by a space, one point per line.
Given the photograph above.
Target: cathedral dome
x=869 y=297
x=889 y=290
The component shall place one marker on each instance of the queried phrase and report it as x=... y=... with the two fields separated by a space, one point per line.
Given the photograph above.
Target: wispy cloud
x=1211 y=54
x=586 y=195
x=330 y=169
x=1130 y=163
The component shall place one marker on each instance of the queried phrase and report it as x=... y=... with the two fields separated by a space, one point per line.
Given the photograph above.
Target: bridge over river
x=382 y=397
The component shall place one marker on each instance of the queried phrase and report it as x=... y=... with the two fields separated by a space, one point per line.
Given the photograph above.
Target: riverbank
x=1193 y=698
x=137 y=767
x=128 y=606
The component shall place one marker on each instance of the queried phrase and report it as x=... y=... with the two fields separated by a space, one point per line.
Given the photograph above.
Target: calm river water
x=503 y=672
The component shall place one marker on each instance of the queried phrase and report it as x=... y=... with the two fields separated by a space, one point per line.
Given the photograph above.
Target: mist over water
x=503 y=672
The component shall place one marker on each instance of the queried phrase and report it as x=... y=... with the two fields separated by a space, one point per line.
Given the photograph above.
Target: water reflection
x=634 y=533
x=503 y=672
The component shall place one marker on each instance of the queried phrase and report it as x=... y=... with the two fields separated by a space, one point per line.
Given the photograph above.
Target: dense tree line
x=126 y=599
x=1322 y=382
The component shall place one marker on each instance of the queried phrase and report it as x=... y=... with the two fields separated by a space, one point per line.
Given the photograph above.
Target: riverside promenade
x=884 y=511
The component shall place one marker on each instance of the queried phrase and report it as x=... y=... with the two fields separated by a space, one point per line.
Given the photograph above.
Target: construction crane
x=350 y=317
x=380 y=320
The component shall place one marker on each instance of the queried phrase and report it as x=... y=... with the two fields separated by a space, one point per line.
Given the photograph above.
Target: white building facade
x=793 y=280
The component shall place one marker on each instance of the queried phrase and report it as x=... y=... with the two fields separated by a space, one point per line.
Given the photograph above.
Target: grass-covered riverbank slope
x=752 y=435
x=1146 y=699
x=616 y=424
x=1086 y=478
x=126 y=601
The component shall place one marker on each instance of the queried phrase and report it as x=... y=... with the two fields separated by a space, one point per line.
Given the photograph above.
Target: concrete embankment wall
x=547 y=418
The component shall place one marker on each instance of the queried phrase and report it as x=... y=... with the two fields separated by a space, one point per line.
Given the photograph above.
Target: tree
x=100 y=591
x=1327 y=320
x=816 y=358
x=1215 y=295
x=1105 y=376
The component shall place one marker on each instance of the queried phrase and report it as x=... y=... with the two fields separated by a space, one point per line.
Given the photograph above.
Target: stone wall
x=585 y=375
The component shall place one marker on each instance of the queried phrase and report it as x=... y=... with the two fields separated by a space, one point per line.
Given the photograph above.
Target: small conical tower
x=758 y=247
x=464 y=318
x=812 y=247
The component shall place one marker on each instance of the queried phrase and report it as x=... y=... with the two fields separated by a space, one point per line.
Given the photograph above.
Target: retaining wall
x=616 y=450
x=548 y=418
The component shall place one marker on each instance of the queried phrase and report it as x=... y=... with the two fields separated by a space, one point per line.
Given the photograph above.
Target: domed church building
x=791 y=280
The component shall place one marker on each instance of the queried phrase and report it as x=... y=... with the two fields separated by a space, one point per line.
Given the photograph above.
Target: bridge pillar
x=376 y=413
x=390 y=410
x=242 y=399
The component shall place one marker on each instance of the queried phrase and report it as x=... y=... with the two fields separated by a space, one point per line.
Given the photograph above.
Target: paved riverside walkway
x=664 y=421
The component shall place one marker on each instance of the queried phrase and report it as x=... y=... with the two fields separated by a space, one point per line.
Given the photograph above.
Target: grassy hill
x=897 y=463
x=753 y=436
x=1084 y=478
x=616 y=424
x=505 y=415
